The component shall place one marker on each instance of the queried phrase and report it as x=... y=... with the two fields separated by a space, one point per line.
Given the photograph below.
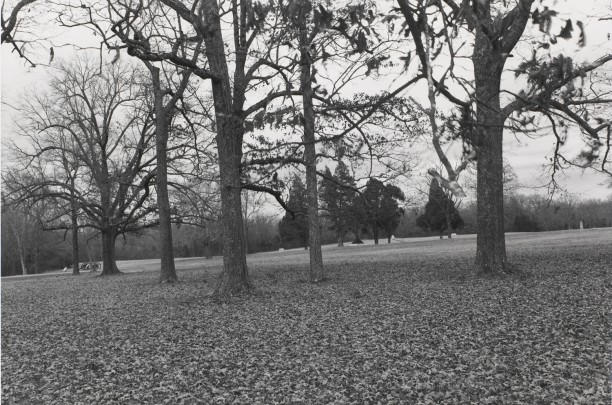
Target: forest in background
x=51 y=250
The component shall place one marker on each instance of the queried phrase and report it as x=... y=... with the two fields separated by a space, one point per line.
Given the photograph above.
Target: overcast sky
x=525 y=155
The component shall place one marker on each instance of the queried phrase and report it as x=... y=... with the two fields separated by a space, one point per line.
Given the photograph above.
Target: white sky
x=525 y=155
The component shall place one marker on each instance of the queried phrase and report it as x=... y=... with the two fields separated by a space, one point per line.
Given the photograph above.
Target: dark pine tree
x=293 y=227
x=440 y=212
x=337 y=195
x=381 y=208
x=390 y=211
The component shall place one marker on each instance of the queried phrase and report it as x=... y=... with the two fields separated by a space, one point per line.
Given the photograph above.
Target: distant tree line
x=51 y=250
x=527 y=213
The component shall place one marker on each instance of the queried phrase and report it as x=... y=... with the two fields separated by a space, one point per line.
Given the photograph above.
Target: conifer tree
x=337 y=198
x=440 y=212
x=293 y=227
x=381 y=209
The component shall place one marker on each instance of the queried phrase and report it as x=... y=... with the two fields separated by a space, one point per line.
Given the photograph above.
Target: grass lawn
x=400 y=323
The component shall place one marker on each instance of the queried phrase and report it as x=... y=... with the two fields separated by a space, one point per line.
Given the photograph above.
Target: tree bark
x=75 y=236
x=22 y=253
x=317 y=271
x=234 y=278
x=109 y=259
x=340 y=239
x=35 y=264
x=246 y=235
x=168 y=270
x=488 y=66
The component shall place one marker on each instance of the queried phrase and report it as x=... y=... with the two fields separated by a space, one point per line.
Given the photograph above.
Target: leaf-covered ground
x=401 y=323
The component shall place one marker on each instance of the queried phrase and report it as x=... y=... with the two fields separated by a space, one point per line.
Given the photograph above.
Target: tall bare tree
x=106 y=124
x=202 y=21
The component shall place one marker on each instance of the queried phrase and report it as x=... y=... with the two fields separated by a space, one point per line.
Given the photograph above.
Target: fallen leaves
x=392 y=325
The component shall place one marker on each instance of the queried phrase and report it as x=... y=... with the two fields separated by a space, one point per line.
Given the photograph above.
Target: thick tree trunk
x=488 y=67
x=375 y=234
x=317 y=271
x=490 y=242
x=168 y=271
x=109 y=259
x=75 y=239
x=246 y=235
x=234 y=278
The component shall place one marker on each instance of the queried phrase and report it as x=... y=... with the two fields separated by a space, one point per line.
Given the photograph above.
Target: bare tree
x=105 y=124
x=13 y=22
x=168 y=84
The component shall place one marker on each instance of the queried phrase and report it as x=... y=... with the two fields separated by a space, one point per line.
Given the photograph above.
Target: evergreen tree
x=380 y=207
x=440 y=211
x=293 y=229
x=390 y=211
x=337 y=200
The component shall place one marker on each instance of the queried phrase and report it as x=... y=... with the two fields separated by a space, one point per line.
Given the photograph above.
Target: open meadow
x=401 y=323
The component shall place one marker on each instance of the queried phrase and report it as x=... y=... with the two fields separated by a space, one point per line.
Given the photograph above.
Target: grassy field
x=401 y=323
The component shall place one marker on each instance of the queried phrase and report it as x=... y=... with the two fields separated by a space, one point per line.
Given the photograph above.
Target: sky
x=525 y=155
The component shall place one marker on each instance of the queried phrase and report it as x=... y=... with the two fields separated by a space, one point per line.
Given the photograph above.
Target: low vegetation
x=400 y=323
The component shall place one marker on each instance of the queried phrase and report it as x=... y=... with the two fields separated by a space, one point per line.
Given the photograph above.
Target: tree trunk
x=22 y=255
x=168 y=270
x=375 y=234
x=340 y=239
x=488 y=67
x=317 y=271
x=388 y=238
x=36 y=255
x=75 y=238
x=246 y=235
x=234 y=278
x=109 y=260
